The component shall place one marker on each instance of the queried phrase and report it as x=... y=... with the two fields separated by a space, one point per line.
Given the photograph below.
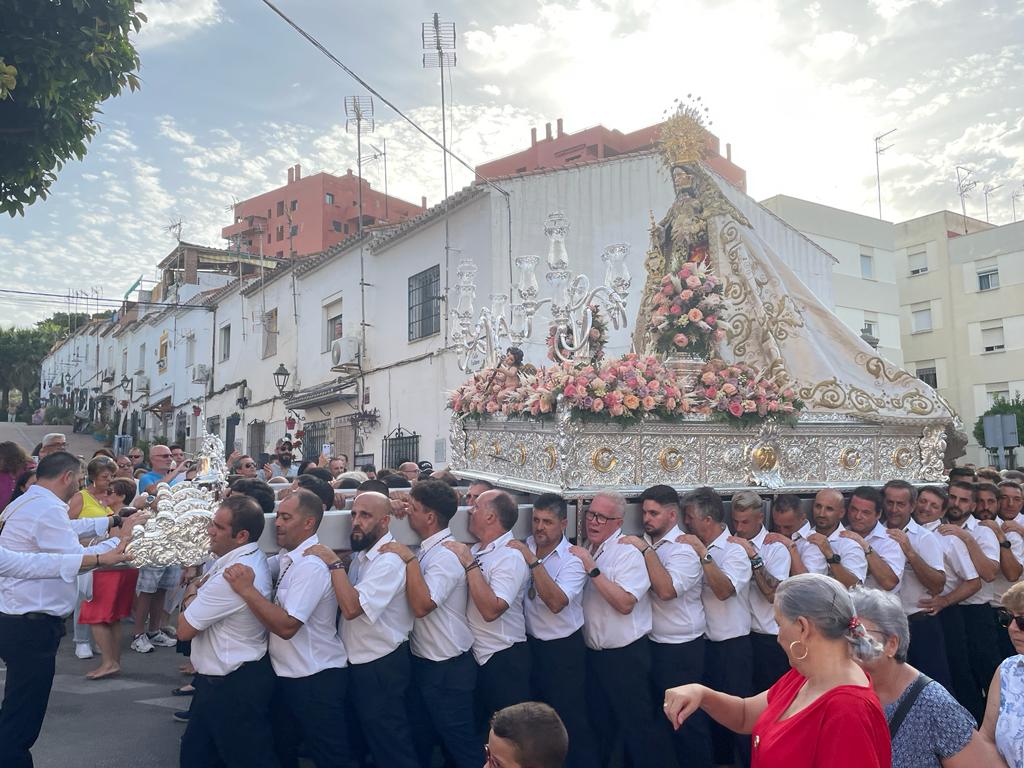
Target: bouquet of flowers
x=738 y=391
x=685 y=317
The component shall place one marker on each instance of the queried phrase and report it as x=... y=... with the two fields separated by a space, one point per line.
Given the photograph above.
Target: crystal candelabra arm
x=614 y=302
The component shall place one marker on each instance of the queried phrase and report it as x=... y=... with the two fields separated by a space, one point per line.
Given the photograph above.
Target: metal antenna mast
x=359 y=115
x=1013 y=201
x=439 y=52
x=879 y=149
x=988 y=190
x=963 y=187
x=381 y=153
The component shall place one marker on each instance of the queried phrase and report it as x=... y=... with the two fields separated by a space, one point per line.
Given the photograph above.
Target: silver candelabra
x=572 y=303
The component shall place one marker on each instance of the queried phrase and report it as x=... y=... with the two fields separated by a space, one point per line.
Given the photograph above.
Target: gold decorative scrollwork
x=474 y=449
x=670 y=459
x=551 y=460
x=604 y=460
x=902 y=457
x=496 y=448
x=765 y=458
x=520 y=455
x=849 y=458
x=883 y=369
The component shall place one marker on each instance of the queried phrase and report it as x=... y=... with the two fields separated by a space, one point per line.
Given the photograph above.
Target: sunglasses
x=1006 y=618
x=248 y=465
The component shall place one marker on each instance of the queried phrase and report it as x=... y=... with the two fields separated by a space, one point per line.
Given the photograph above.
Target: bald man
x=376 y=630
x=410 y=469
x=822 y=549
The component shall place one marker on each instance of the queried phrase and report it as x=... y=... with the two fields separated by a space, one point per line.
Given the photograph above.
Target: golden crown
x=684 y=134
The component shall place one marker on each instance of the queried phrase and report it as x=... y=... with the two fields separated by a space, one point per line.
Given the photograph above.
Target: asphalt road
x=123 y=721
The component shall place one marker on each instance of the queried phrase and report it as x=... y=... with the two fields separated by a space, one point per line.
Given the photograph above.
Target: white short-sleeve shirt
x=728 y=618
x=957 y=560
x=506 y=572
x=229 y=632
x=305 y=592
x=777 y=563
x=386 y=620
x=990 y=548
x=444 y=632
x=851 y=555
x=890 y=552
x=603 y=626
x=567 y=572
x=929 y=549
x=681 y=619
x=1001 y=583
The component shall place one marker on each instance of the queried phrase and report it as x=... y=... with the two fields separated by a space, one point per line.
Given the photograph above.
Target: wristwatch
x=835 y=559
x=1005 y=544
x=707 y=559
x=337 y=565
x=594 y=572
x=535 y=563
x=756 y=562
x=869 y=551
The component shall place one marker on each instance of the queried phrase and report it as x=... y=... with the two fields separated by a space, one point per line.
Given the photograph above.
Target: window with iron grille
x=929 y=376
x=256 y=439
x=317 y=433
x=400 y=446
x=425 y=303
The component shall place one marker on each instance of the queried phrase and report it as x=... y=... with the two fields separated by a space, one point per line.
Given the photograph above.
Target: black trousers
x=311 y=711
x=983 y=644
x=229 y=725
x=958 y=656
x=503 y=680
x=927 y=651
x=28 y=646
x=729 y=668
x=559 y=678
x=619 y=692
x=675 y=664
x=378 y=695
x=442 y=710
x=770 y=661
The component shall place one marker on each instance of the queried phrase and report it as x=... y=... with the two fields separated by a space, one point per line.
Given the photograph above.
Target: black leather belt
x=31 y=616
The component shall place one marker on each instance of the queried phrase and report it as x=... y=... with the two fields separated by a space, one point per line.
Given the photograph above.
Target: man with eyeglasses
x=164 y=470
x=54 y=442
x=138 y=457
x=245 y=466
x=616 y=622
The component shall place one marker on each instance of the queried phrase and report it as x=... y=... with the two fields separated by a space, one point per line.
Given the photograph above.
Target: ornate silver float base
x=577 y=459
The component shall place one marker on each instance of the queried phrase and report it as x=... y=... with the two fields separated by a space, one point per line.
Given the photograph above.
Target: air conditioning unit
x=141 y=384
x=200 y=373
x=344 y=351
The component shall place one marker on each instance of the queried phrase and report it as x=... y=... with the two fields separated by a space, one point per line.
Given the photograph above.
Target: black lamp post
x=281 y=376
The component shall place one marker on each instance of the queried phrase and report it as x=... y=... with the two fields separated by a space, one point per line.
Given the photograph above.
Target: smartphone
x=328 y=449
x=238 y=445
x=263 y=460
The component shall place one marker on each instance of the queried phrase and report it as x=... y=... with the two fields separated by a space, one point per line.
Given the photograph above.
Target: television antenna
x=359 y=115
x=988 y=190
x=964 y=185
x=879 y=149
x=174 y=228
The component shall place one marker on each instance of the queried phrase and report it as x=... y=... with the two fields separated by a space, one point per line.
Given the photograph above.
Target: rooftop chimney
x=547 y=131
x=349 y=172
x=533 y=137
x=298 y=171
x=291 y=174
x=560 y=132
x=423 y=202
x=728 y=152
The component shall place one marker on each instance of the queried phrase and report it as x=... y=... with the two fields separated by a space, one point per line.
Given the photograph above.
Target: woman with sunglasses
x=928 y=728
x=1004 y=711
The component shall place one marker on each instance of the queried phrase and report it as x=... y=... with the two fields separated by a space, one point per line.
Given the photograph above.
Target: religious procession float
x=738 y=375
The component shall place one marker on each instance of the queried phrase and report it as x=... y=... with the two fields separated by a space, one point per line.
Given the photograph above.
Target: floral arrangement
x=686 y=311
x=738 y=391
x=597 y=339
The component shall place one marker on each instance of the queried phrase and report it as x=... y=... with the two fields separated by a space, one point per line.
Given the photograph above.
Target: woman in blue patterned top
x=1004 y=712
x=929 y=729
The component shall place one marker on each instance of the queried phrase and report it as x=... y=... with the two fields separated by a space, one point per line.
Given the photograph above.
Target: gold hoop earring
x=794 y=657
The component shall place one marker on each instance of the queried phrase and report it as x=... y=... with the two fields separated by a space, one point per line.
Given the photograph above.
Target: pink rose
x=616 y=410
x=631 y=401
x=670 y=403
x=649 y=403
x=729 y=389
x=667 y=290
x=676 y=310
x=735 y=409
x=749 y=406
x=773 y=406
x=595 y=334
x=680 y=340
x=710 y=393
x=598 y=405
x=693 y=282
x=686 y=294
x=708 y=377
x=654 y=385
x=695 y=315
x=570 y=390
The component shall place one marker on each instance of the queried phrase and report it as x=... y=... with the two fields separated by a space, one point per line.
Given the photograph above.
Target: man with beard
x=307 y=655
x=677 y=616
x=375 y=632
x=443 y=669
x=823 y=549
x=923 y=578
x=886 y=561
x=979 y=617
x=554 y=624
x=283 y=464
x=1011 y=552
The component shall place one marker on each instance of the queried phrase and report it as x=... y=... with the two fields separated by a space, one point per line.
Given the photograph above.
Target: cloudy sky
x=231 y=97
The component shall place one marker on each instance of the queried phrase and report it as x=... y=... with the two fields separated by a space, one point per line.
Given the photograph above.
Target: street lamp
x=281 y=376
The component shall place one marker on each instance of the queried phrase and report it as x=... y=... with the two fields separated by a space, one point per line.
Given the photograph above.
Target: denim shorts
x=152 y=579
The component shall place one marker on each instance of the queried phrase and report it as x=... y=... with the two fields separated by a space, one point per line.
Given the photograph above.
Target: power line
x=60 y=298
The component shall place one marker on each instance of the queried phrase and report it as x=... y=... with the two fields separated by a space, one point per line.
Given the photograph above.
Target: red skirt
x=113 y=593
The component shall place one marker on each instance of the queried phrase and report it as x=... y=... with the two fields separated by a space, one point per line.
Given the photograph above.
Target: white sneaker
x=141 y=644
x=161 y=640
x=83 y=650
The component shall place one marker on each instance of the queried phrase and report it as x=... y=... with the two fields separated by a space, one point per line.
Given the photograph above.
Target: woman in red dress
x=823 y=712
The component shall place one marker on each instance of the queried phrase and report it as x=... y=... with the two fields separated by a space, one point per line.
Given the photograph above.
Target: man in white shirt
x=923 y=579
x=616 y=621
x=962 y=581
x=885 y=559
x=443 y=669
x=376 y=630
x=47 y=565
x=726 y=597
x=677 y=616
x=1011 y=502
x=769 y=565
x=1011 y=551
x=32 y=610
x=229 y=722
x=823 y=549
x=979 y=617
x=554 y=624
x=497 y=576
x=307 y=655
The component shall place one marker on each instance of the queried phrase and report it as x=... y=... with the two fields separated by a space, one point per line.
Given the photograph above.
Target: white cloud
x=832 y=46
x=172 y=20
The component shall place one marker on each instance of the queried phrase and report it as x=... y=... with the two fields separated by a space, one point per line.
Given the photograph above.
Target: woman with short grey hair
x=927 y=726
x=823 y=712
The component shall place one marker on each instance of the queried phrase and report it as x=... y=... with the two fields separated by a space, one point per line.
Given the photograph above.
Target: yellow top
x=92 y=508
